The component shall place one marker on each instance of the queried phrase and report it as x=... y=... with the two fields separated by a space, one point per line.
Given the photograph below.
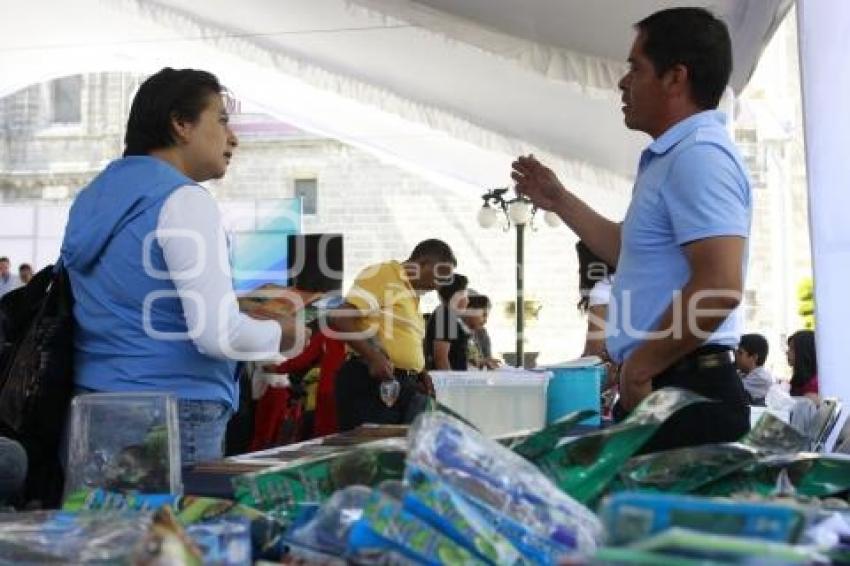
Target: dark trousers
x=358 y=398
x=727 y=420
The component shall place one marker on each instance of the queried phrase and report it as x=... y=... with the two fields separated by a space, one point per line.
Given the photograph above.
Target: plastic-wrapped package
x=124 y=442
x=503 y=484
x=583 y=467
x=223 y=542
x=387 y=527
x=632 y=516
x=723 y=549
x=114 y=537
x=265 y=534
x=328 y=530
x=392 y=488
x=810 y=474
x=441 y=507
x=684 y=470
x=538 y=443
x=772 y=435
x=313 y=480
x=305 y=556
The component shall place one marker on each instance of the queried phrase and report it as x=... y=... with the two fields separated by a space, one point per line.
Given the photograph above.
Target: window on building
x=308 y=190
x=66 y=100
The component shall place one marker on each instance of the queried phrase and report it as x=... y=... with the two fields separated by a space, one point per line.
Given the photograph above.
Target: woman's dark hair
x=805 y=358
x=457 y=283
x=695 y=38
x=591 y=270
x=168 y=94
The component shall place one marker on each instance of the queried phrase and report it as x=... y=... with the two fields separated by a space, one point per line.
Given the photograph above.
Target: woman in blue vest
x=148 y=263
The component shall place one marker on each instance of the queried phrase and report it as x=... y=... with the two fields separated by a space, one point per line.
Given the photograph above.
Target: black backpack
x=36 y=376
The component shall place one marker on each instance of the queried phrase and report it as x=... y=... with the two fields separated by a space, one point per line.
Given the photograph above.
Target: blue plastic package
x=447 y=511
x=525 y=504
x=386 y=527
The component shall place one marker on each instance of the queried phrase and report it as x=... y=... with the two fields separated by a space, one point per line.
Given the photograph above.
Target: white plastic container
x=497 y=402
x=124 y=442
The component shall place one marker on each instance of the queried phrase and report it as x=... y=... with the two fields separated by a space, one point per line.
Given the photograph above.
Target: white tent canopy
x=450 y=89
x=453 y=89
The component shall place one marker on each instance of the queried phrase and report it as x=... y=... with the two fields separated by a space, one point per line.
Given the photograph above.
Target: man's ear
x=677 y=80
x=180 y=128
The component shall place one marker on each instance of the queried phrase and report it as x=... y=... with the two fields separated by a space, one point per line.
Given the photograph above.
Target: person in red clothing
x=329 y=354
x=804 y=363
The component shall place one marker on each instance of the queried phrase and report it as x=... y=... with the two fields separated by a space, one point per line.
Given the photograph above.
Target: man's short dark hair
x=695 y=38
x=171 y=93
x=6 y=259
x=24 y=266
x=433 y=249
x=479 y=302
x=755 y=345
x=457 y=283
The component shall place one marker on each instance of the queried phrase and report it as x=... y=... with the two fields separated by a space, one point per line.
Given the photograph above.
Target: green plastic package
x=531 y=446
x=772 y=435
x=584 y=467
x=280 y=490
x=685 y=470
x=810 y=474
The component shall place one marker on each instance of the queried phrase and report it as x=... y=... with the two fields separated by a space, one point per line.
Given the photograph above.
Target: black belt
x=704 y=357
x=400 y=373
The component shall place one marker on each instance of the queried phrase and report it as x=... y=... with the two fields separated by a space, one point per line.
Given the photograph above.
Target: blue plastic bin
x=572 y=389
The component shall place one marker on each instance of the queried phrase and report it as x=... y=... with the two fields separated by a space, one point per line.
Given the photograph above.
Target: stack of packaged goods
x=446 y=493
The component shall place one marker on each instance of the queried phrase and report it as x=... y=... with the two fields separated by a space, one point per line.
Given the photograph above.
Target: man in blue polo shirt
x=681 y=251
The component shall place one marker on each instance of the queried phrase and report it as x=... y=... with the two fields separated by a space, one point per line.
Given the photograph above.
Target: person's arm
x=346 y=321
x=441 y=355
x=537 y=182
x=709 y=203
x=597 y=313
x=190 y=233
x=306 y=359
x=484 y=342
x=594 y=344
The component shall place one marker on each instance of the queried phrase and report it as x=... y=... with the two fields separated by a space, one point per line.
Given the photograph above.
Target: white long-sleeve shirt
x=194 y=244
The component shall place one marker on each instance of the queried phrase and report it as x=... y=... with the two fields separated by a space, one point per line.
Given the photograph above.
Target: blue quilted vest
x=131 y=333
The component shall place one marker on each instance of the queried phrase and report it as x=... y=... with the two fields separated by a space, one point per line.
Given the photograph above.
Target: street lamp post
x=518 y=211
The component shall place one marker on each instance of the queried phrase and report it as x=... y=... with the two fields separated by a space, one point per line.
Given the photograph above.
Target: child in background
x=749 y=359
x=322 y=350
x=475 y=317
